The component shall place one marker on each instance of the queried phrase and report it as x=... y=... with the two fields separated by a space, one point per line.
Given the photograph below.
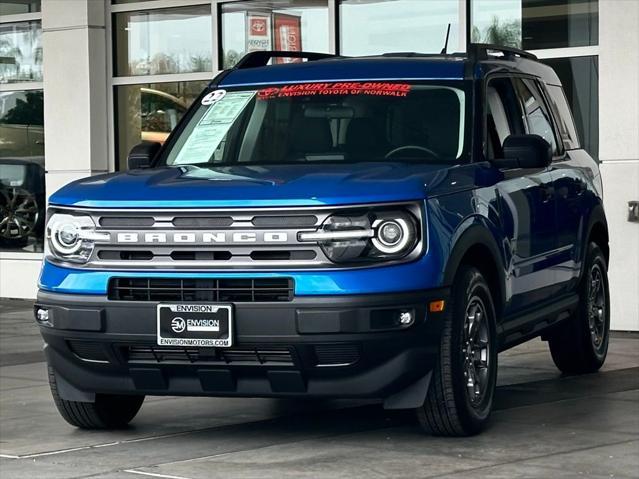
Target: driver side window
x=503 y=115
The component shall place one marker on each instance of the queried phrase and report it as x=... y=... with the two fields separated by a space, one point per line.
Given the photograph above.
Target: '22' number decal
x=212 y=97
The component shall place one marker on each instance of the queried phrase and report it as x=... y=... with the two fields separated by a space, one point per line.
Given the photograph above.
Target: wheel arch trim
x=597 y=224
x=478 y=234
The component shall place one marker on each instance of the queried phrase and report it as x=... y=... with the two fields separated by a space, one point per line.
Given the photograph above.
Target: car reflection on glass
x=21 y=124
x=159 y=114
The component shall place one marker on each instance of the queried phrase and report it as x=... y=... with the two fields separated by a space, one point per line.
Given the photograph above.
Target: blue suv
x=377 y=227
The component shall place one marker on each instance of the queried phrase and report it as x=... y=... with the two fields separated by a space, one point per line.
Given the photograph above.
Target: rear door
x=526 y=198
x=575 y=173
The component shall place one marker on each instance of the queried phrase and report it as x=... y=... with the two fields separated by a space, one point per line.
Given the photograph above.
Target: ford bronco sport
x=376 y=227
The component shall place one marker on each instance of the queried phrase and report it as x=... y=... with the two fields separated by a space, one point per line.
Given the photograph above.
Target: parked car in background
x=22 y=201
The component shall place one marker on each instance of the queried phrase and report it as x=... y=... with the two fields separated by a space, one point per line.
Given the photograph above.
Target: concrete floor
x=544 y=426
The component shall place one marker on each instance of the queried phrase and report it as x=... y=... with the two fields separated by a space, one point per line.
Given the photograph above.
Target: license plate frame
x=201 y=325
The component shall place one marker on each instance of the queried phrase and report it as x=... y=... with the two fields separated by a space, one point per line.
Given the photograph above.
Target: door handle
x=633 y=211
x=581 y=187
x=547 y=193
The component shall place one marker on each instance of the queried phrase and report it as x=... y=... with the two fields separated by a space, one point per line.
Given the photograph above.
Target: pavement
x=544 y=426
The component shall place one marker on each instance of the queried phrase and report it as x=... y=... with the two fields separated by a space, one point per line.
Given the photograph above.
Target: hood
x=254 y=186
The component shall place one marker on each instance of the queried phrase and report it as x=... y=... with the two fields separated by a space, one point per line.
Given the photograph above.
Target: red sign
x=258 y=26
x=288 y=35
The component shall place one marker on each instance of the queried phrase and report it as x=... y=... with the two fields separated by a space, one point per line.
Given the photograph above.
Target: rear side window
x=563 y=117
x=538 y=118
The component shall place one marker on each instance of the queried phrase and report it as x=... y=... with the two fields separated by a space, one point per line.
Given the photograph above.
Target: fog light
x=42 y=315
x=406 y=317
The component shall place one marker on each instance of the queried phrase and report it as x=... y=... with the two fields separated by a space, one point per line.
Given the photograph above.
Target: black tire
x=580 y=344
x=450 y=408
x=109 y=411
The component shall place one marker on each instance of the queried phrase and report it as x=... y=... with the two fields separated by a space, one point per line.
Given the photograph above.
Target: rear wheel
x=460 y=396
x=109 y=411
x=580 y=344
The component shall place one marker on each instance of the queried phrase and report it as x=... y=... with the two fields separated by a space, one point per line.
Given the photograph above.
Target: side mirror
x=142 y=154
x=525 y=151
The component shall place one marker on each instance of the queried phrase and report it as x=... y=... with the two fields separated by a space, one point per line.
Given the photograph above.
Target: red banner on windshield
x=336 y=88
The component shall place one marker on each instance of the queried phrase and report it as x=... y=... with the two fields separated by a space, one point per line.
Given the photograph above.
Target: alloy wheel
x=476 y=351
x=596 y=306
x=18 y=213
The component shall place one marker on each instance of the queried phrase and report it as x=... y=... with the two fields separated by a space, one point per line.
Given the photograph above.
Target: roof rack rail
x=261 y=58
x=480 y=50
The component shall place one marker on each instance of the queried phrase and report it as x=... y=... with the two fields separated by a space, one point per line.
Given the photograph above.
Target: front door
x=527 y=202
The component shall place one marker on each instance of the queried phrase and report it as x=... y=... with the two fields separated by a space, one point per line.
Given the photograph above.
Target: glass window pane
x=497 y=22
x=16 y=7
x=173 y=40
x=580 y=79
x=560 y=23
x=22 y=194
x=288 y=25
x=537 y=116
x=503 y=115
x=20 y=52
x=536 y=24
x=336 y=122
x=563 y=116
x=382 y=26
x=149 y=112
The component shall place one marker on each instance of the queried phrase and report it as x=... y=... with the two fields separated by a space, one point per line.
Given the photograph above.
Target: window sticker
x=400 y=90
x=212 y=128
x=213 y=97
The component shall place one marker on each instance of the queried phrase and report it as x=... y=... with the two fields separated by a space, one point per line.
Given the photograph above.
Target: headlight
x=374 y=235
x=72 y=237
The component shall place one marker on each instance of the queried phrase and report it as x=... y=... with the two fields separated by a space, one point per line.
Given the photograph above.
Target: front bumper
x=319 y=346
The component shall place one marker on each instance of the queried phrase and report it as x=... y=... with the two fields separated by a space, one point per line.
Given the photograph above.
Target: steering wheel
x=391 y=153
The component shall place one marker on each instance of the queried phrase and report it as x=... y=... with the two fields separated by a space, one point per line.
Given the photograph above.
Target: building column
x=75 y=90
x=619 y=151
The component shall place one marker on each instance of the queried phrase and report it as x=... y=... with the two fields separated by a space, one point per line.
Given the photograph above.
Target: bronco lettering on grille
x=206 y=237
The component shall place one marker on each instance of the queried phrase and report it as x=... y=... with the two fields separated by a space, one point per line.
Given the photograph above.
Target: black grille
x=237 y=357
x=128 y=222
x=203 y=222
x=336 y=354
x=284 y=221
x=200 y=289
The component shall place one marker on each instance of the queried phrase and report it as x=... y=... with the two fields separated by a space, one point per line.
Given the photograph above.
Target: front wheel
x=580 y=344
x=460 y=396
x=109 y=411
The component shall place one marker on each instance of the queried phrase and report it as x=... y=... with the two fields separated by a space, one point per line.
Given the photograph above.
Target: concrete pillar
x=75 y=89
x=619 y=151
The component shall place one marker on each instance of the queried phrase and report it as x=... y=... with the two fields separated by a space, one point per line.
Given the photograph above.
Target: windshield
x=325 y=122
